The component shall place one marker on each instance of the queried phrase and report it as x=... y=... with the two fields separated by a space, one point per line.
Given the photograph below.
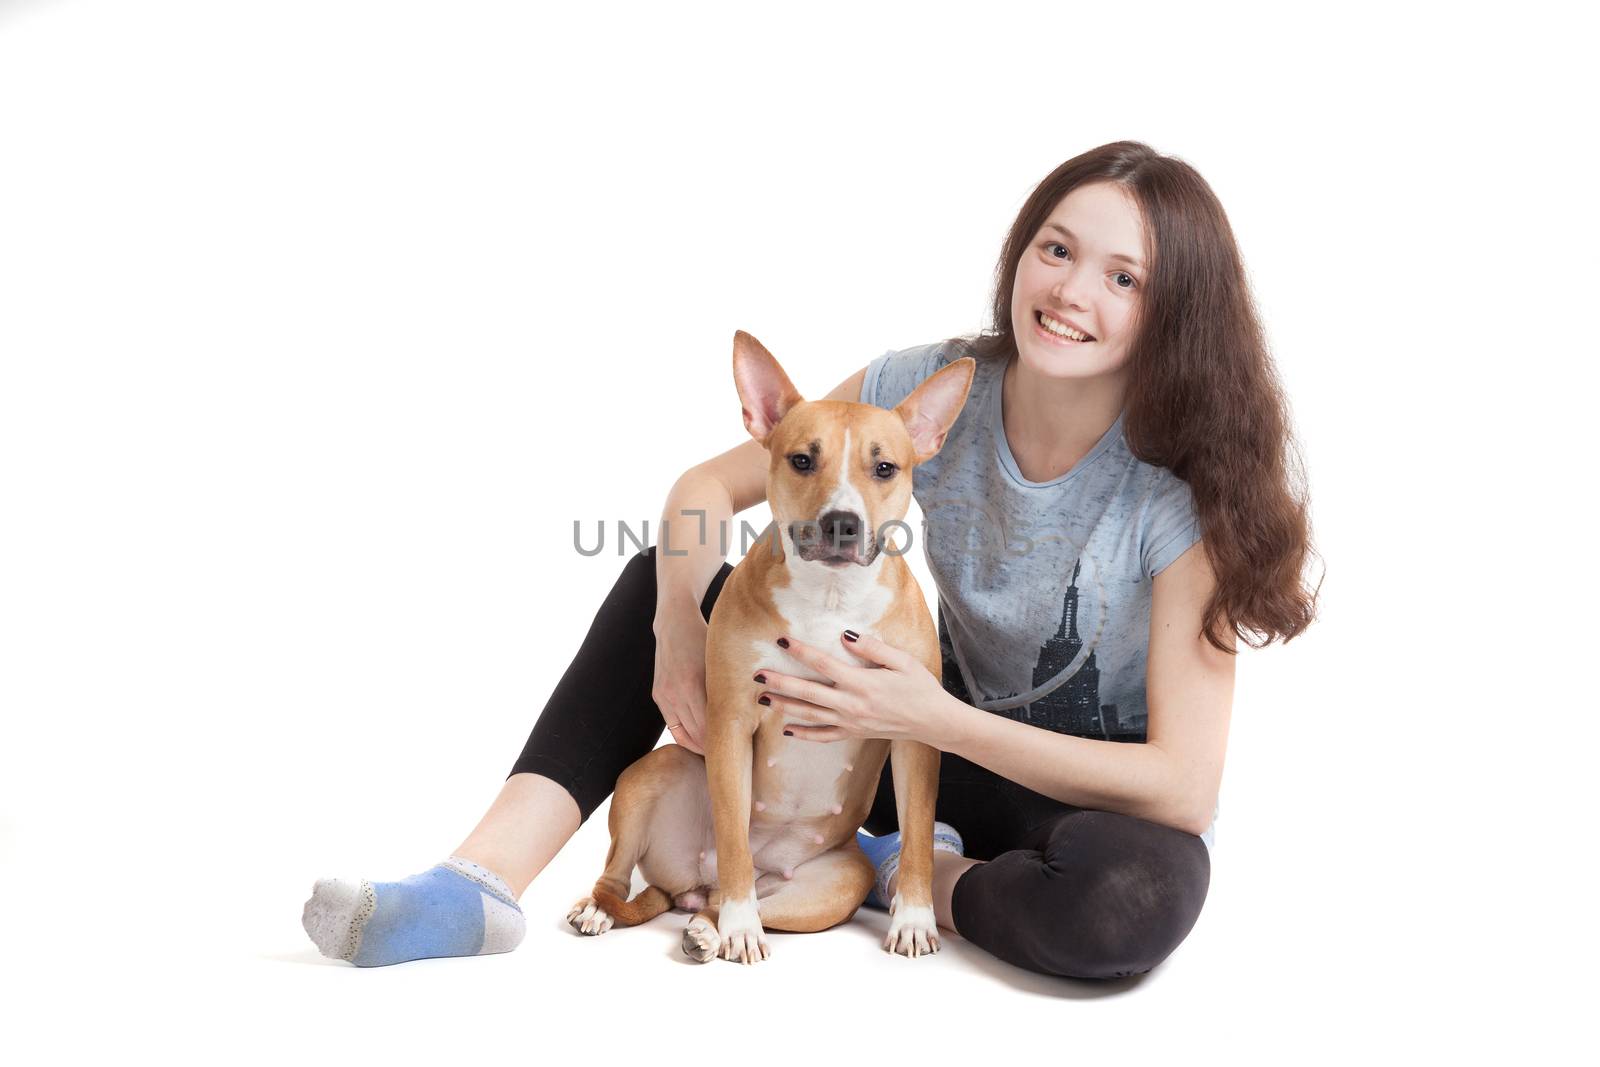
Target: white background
x=322 y=322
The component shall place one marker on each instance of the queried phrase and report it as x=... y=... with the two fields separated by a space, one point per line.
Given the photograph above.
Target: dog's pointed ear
x=932 y=407
x=765 y=392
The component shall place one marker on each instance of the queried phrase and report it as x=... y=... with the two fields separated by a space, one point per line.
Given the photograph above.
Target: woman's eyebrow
x=1134 y=263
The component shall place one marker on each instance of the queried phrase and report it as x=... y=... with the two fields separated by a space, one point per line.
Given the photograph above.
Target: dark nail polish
x=783 y=642
x=764 y=700
x=761 y=678
x=850 y=635
x=788 y=733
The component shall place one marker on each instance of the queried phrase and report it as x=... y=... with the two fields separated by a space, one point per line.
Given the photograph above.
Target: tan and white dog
x=761 y=833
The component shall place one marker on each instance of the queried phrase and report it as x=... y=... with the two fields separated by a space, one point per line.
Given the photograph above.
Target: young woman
x=1116 y=505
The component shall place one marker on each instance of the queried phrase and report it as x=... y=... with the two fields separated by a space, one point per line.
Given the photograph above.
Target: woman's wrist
x=950 y=721
x=674 y=610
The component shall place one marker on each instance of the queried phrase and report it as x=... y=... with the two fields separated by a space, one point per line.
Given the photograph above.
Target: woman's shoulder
x=1168 y=522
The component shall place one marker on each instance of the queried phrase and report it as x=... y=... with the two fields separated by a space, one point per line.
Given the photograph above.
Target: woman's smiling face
x=1085 y=269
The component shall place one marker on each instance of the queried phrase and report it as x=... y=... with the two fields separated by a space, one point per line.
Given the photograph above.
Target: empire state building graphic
x=1074 y=706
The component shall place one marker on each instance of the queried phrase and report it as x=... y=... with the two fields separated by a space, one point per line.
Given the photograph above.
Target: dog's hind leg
x=700 y=938
x=824 y=892
x=633 y=809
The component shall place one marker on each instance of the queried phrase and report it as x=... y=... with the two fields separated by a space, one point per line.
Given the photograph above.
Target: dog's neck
x=845 y=590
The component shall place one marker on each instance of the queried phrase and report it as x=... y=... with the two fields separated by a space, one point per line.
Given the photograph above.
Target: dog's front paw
x=913 y=931
x=739 y=927
x=586 y=917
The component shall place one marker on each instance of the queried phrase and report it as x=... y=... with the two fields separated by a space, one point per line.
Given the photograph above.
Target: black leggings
x=1066 y=891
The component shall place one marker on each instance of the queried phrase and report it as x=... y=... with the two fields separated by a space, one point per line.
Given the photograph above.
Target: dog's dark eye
x=800 y=461
x=885 y=470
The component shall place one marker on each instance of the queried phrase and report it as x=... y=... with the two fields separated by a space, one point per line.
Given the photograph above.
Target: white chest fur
x=810 y=781
x=820 y=603
x=817 y=608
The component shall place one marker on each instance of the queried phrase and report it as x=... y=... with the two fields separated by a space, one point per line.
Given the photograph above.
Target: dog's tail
x=641 y=909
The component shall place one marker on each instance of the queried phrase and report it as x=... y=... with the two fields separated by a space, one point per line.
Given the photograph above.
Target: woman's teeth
x=1060 y=329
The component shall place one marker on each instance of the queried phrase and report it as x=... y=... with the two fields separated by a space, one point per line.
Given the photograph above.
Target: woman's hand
x=876 y=691
x=679 y=687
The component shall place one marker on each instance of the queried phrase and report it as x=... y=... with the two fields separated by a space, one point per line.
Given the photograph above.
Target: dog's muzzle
x=837 y=538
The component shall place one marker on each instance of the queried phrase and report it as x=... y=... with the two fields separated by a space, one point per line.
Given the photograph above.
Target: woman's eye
x=885 y=470
x=800 y=461
x=1124 y=280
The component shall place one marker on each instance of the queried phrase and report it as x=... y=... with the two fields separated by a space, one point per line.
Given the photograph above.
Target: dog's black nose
x=839 y=527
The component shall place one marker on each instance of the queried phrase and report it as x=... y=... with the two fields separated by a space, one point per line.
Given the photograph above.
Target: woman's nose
x=1069 y=289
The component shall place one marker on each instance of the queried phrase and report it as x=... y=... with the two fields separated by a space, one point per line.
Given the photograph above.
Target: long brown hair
x=1203 y=397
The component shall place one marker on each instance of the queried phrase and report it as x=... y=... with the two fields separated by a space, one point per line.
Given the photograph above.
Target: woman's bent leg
x=599 y=721
x=528 y=823
x=1065 y=890
x=1089 y=894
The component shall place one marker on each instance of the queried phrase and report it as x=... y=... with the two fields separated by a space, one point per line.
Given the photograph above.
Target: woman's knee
x=642 y=562
x=636 y=585
x=1139 y=885
x=1116 y=895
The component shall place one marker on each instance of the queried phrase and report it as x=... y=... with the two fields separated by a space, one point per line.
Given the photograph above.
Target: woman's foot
x=456 y=908
x=884 y=852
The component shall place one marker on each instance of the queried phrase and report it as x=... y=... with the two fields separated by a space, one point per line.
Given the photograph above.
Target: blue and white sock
x=455 y=908
x=884 y=852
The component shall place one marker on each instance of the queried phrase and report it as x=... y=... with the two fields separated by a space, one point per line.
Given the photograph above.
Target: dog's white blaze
x=846 y=497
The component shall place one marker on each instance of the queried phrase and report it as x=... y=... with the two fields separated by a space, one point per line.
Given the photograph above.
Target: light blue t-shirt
x=1044 y=587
